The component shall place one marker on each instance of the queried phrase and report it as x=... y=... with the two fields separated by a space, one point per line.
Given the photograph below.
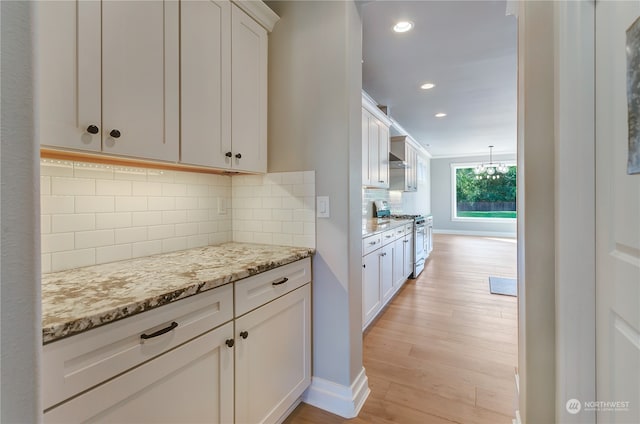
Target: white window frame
x=454 y=195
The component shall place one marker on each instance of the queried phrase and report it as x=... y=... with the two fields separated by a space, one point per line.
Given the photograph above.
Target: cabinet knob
x=115 y=133
x=228 y=154
x=238 y=156
x=244 y=334
x=229 y=342
x=93 y=129
x=381 y=181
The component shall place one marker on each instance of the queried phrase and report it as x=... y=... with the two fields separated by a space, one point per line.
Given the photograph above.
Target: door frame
x=556 y=231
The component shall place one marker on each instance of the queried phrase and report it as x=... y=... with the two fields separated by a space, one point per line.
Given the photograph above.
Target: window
x=483 y=199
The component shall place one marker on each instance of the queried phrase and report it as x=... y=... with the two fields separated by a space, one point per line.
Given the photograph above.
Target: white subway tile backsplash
x=146 y=248
x=113 y=253
x=161 y=203
x=174 y=244
x=113 y=188
x=130 y=235
x=45 y=224
x=56 y=242
x=304 y=241
x=198 y=240
x=87 y=204
x=113 y=220
x=190 y=229
x=94 y=213
x=72 y=259
x=146 y=218
x=45 y=263
x=72 y=222
x=72 y=186
x=159 y=232
x=96 y=238
x=143 y=188
x=174 y=189
x=174 y=217
x=131 y=204
x=57 y=204
x=45 y=185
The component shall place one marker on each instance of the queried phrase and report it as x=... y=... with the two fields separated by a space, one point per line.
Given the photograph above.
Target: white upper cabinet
x=206 y=91
x=375 y=146
x=68 y=73
x=249 y=93
x=178 y=81
x=108 y=77
x=140 y=65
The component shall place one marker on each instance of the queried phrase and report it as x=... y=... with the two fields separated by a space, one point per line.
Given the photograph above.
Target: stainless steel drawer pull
x=277 y=283
x=159 y=332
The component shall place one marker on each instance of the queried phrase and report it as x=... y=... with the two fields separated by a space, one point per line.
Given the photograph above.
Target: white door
x=617 y=225
x=68 y=74
x=273 y=357
x=140 y=78
x=205 y=92
x=248 y=93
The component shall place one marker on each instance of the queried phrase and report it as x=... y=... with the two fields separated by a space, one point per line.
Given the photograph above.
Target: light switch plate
x=222 y=207
x=323 y=209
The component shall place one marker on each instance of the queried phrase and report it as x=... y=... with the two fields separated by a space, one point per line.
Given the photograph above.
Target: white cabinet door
x=249 y=94
x=273 y=358
x=192 y=383
x=140 y=79
x=386 y=272
x=366 y=169
x=383 y=155
x=399 y=276
x=408 y=255
x=371 y=300
x=374 y=152
x=205 y=45
x=68 y=74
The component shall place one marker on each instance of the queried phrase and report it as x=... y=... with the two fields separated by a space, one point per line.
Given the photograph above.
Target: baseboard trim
x=476 y=233
x=345 y=401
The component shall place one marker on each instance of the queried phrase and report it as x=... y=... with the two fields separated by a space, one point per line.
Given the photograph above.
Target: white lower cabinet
x=386 y=265
x=192 y=383
x=192 y=360
x=273 y=361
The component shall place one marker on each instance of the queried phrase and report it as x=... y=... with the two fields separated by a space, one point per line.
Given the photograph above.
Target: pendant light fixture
x=490 y=171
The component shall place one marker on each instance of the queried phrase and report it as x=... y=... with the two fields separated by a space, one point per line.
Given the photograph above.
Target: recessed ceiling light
x=440 y=115
x=427 y=86
x=403 y=26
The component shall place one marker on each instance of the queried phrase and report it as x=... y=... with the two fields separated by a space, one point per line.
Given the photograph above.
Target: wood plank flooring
x=445 y=349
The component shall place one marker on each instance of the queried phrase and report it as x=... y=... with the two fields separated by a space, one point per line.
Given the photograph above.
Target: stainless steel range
x=419 y=242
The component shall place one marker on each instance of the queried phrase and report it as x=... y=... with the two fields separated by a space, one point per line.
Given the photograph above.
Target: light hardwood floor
x=445 y=349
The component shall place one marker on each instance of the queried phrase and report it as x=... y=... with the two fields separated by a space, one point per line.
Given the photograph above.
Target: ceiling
x=467 y=49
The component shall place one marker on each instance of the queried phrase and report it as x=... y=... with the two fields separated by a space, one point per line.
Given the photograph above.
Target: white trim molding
x=336 y=398
x=259 y=11
x=477 y=233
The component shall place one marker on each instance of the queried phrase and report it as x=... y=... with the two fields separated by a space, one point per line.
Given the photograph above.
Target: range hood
x=397 y=162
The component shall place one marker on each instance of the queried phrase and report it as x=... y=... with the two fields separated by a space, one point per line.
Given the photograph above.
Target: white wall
x=20 y=333
x=441 y=192
x=315 y=124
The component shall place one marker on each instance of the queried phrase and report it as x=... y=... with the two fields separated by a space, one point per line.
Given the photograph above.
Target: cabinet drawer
x=388 y=236
x=371 y=243
x=408 y=229
x=80 y=362
x=399 y=232
x=262 y=288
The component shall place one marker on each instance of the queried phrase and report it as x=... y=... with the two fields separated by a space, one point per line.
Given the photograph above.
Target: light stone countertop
x=371 y=226
x=80 y=299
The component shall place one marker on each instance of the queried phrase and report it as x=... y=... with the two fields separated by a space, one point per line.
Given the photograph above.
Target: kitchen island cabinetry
x=193 y=359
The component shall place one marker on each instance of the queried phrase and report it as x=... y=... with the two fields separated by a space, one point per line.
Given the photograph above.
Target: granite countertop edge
x=369 y=226
x=87 y=321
